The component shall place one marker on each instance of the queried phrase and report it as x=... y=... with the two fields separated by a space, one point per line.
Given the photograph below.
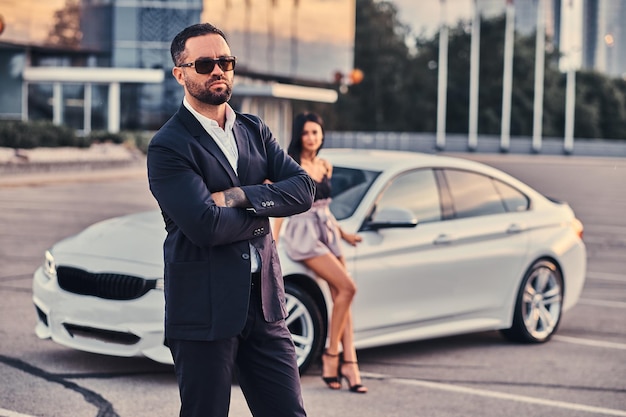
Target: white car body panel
x=456 y=290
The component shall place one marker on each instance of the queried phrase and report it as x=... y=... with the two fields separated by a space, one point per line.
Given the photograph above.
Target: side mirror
x=390 y=217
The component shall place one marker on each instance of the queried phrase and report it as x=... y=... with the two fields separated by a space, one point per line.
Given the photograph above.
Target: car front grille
x=107 y=336
x=103 y=285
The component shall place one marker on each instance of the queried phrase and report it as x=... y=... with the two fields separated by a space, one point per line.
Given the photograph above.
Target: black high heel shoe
x=333 y=382
x=356 y=388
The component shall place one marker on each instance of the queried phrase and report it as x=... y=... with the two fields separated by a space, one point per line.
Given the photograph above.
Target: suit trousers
x=263 y=356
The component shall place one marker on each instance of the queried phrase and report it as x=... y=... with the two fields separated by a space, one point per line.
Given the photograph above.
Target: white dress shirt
x=225 y=139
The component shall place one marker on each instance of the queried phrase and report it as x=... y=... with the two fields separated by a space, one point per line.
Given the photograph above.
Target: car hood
x=136 y=238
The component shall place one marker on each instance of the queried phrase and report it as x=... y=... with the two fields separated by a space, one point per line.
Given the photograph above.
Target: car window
x=415 y=191
x=513 y=199
x=473 y=194
x=349 y=185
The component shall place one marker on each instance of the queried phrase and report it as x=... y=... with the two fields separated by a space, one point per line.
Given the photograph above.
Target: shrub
x=139 y=140
x=28 y=135
x=102 y=136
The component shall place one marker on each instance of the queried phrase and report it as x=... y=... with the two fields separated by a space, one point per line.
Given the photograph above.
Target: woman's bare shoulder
x=328 y=167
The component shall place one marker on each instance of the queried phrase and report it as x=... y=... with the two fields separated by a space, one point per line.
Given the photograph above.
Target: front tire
x=539 y=304
x=305 y=322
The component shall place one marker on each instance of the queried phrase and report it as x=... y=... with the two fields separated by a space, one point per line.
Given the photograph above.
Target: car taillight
x=578 y=227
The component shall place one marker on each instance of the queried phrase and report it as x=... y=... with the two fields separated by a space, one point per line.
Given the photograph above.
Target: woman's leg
x=342 y=288
x=350 y=367
x=349 y=351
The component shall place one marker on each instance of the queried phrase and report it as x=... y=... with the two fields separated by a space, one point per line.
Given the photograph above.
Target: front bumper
x=111 y=327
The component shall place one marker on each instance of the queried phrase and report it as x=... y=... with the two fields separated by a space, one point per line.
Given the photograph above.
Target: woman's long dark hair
x=295 y=146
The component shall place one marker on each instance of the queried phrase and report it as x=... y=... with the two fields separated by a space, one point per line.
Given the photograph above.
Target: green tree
x=399 y=89
x=66 y=30
x=381 y=53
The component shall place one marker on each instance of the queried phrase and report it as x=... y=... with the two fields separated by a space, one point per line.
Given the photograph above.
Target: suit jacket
x=206 y=251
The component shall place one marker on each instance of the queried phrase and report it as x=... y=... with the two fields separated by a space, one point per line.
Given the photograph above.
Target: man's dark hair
x=178 y=43
x=295 y=146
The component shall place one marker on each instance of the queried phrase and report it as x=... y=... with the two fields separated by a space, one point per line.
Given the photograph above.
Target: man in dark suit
x=218 y=175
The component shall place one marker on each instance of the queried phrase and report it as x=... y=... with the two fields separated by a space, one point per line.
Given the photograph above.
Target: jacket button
x=245 y=256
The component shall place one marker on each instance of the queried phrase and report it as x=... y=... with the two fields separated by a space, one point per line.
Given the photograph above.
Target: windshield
x=349 y=185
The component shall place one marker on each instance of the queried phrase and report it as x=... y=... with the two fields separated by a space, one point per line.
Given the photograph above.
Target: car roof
x=384 y=160
x=393 y=162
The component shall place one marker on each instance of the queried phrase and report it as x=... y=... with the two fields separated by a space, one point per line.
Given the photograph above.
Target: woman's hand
x=352 y=239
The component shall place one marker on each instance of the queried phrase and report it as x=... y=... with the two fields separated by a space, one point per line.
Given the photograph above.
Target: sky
x=425 y=15
x=314 y=18
x=28 y=20
x=31 y=20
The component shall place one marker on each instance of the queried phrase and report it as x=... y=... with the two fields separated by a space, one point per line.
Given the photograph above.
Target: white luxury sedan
x=449 y=246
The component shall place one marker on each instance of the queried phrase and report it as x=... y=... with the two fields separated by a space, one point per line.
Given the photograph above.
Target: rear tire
x=305 y=322
x=539 y=304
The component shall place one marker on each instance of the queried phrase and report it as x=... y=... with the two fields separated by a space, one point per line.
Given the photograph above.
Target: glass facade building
x=115 y=73
x=604 y=36
x=137 y=34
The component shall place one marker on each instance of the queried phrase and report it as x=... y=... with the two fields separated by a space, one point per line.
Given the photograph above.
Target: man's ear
x=177 y=72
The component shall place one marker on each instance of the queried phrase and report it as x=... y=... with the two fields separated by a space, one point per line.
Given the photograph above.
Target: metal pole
x=57 y=103
x=472 y=134
x=540 y=46
x=25 y=101
x=570 y=87
x=87 y=104
x=507 y=77
x=114 y=107
x=442 y=79
x=570 y=101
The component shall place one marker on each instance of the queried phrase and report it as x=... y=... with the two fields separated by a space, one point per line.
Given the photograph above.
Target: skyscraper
x=604 y=36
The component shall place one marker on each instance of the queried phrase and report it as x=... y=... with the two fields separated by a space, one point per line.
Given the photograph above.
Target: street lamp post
x=442 y=82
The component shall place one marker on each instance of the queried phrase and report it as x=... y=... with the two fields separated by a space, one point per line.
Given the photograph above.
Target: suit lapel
x=207 y=142
x=243 y=147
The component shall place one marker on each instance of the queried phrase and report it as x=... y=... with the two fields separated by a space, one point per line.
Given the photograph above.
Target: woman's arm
x=351 y=238
x=278 y=222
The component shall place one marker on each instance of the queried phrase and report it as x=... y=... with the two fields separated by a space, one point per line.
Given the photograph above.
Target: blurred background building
x=604 y=36
x=106 y=64
x=287 y=50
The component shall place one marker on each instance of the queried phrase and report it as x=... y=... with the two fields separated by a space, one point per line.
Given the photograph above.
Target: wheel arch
x=552 y=260
x=530 y=265
x=509 y=331
x=311 y=287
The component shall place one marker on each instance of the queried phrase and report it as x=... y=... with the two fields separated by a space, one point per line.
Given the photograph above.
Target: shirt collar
x=208 y=122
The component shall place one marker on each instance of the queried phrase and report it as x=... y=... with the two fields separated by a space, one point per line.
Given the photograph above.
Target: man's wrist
x=235 y=197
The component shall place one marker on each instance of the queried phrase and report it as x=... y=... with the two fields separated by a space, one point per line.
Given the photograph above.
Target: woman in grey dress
x=313 y=238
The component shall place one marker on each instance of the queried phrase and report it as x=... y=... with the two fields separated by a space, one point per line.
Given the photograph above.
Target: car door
x=393 y=266
x=460 y=261
x=489 y=240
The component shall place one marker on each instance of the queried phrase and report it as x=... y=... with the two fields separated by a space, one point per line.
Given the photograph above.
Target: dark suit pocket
x=277 y=273
x=188 y=294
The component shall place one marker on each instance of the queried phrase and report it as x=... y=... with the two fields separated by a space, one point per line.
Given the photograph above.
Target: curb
x=55 y=173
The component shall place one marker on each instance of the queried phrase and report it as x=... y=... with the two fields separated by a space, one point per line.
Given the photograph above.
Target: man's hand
x=233 y=197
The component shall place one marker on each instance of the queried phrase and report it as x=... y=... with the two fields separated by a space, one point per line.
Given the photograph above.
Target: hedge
x=34 y=134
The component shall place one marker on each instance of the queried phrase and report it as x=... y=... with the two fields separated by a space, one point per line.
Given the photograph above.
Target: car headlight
x=49 y=266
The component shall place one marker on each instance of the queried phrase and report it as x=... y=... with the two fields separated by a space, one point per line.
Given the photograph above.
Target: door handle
x=515 y=228
x=443 y=239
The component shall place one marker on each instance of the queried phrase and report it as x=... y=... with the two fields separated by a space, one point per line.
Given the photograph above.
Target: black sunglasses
x=206 y=65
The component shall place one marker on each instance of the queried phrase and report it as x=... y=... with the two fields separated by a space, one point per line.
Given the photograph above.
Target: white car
x=449 y=246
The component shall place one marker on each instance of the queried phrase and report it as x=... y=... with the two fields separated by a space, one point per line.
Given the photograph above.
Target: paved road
x=581 y=372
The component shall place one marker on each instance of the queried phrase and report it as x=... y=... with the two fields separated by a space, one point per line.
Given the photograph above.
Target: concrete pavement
x=55 y=165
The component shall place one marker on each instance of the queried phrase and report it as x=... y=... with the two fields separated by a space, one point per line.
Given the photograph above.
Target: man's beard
x=204 y=94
